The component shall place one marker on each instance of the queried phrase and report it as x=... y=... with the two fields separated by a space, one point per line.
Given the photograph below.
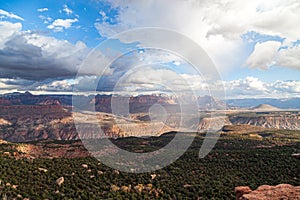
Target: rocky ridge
x=283 y=121
x=267 y=192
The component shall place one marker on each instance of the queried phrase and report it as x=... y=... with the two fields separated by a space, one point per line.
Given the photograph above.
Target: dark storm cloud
x=29 y=58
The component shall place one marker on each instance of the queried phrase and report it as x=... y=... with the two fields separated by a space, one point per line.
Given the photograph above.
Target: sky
x=56 y=46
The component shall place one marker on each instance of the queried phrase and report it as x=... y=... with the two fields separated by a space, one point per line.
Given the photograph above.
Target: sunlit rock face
x=267 y=192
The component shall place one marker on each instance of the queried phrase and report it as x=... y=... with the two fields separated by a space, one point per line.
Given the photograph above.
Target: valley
x=45 y=149
x=238 y=159
x=21 y=123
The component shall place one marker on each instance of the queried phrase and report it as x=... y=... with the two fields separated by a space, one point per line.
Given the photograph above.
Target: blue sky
x=87 y=14
x=255 y=46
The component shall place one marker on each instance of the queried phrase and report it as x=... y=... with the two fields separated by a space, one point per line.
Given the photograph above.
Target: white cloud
x=263 y=55
x=67 y=10
x=289 y=57
x=57 y=85
x=253 y=83
x=252 y=87
x=105 y=29
x=187 y=17
x=7 y=30
x=270 y=54
x=234 y=18
x=42 y=9
x=148 y=78
x=167 y=81
x=159 y=81
x=290 y=86
x=32 y=56
x=215 y=25
x=4 y=13
x=5 y=86
x=60 y=24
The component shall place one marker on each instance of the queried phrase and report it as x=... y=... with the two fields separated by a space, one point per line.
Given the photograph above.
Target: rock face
x=21 y=123
x=26 y=117
x=50 y=102
x=113 y=126
x=102 y=103
x=213 y=124
x=266 y=192
x=241 y=190
x=284 y=121
x=4 y=122
x=136 y=104
x=5 y=102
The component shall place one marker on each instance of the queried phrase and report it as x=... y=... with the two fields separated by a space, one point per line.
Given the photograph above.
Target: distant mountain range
x=27 y=98
x=291 y=103
x=27 y=117
x=142 y=103
x=102 y=103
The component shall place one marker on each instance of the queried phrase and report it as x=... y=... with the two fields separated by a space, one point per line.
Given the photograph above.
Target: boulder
x=42 y=169
x=60 y=181
x=114 y=188
x=267 y=192
x=241 y=190
x=85 y=166
x=125 y=188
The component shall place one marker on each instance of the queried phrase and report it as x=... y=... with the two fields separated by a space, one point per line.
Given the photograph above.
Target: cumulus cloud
x=147 y=69
x=7 y=30
x=56 y=85
x=263 y=55
x=277 y=18
x=6 y=84
x=158 y=81
x=22 y=58
x=216 y=26
x=13 y=84
x=26 y=55
x=149 y=79
x=5 y=14
x=270 y=53
x=252 y=87
x=61 y=24
x=31 y=56
x=289 y=57
x=186 y=17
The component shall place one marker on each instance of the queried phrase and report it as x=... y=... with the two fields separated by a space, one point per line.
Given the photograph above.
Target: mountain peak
x=27 y=93
x=265 y=107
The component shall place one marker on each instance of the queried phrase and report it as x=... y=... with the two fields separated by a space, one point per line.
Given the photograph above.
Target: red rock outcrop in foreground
x=267 y=192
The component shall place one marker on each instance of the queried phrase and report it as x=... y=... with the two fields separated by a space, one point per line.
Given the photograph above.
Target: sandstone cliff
x=266 y=192
x=283 y=121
